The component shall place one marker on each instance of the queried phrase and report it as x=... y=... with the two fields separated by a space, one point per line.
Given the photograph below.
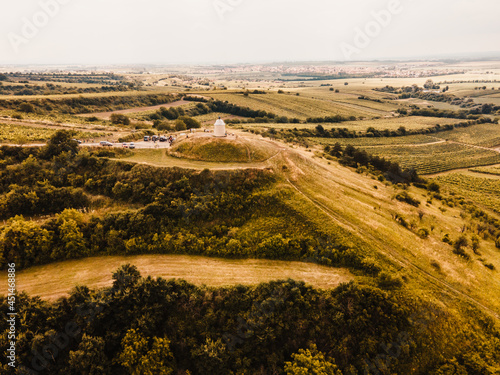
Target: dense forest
x=154 y=326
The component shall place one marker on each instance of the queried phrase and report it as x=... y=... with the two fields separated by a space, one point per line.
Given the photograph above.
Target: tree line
x=52 y=89
x=156 y=326
x=87 y=104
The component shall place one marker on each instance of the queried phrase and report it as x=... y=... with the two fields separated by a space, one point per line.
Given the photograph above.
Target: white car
x=131 y=145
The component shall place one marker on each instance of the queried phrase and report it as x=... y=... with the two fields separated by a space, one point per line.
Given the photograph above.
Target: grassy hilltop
x=354 y=225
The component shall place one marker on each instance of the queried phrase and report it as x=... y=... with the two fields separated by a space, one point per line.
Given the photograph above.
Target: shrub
x=190 y=122
x=26 y=108
x=119 y=119
x=388 y=281
x=405 y=197
x=436 y=265
x=180 y=125
x=423 y=233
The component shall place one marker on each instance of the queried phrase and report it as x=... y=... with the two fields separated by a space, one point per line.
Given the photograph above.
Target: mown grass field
x=56 y=280
x=162 y=158
x=428 y=159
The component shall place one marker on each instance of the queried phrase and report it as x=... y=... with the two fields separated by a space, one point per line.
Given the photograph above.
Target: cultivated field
x=292 y=106
x=427 y=159
x=378 y=141
x=483 y=190
x=486 y=135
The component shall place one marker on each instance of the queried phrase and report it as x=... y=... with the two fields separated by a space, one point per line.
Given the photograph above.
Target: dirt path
x=107 y=115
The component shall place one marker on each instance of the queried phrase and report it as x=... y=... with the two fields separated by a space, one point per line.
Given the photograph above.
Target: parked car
x=125 y=145
x=106 y=144
x=132 y=145
x=155 y=138
x=77 y=141
x=163 y=139
x=146 y=138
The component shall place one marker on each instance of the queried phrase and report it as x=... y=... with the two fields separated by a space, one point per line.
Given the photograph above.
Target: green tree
x=26 y=108
x=72 y=240
x=429 y=84
x=142 y=357
x=60 y=142
x=311 y=362
x=190 y=122
x=126 y=276
x=180 y=125
x=89 y=358
x=24 y=243
x=119 y=119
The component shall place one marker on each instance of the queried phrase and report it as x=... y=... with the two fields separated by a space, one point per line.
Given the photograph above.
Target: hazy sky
x=231 y=31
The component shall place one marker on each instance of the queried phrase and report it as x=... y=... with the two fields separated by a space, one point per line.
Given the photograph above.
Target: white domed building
x=220 y=128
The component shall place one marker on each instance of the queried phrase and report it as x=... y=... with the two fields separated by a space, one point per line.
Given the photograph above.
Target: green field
x=491 y=170
x=428 y=159
x=227 y=150
x=486 y=135
x=390 y=123
x=377 y=141
x=293 y=106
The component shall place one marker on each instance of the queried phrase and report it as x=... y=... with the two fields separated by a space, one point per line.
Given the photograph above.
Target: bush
x=180 y=125
x=388 y=281
x=190 y=122
x=405 y=197
x=119 y=119
x=423 y=233
x=162 y=125
x=436 y=265
x=26 y=108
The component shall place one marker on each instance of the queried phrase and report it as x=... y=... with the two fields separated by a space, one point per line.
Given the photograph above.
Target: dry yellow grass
x=56 y=280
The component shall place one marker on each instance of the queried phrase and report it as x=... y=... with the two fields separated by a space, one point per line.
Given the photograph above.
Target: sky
x=243 y=31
